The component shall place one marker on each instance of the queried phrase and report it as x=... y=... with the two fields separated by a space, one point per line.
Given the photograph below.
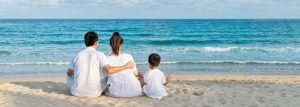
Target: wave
x=230 y=49
x=37 y=63
x=227 y=62
x=173 y=62
x=64 y=42
x=5 y=52
x=215 y=41
x=9 y=53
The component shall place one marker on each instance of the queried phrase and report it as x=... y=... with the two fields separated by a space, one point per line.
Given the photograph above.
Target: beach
x=183 y=90
x=215 y=62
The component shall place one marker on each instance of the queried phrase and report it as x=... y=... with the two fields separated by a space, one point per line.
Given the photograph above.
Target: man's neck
x=154 y=67
x=91 y=47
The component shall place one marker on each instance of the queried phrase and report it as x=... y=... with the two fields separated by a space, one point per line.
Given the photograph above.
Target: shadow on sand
x=48 y=86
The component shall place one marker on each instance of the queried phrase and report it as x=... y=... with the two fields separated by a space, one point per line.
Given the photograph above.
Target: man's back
x=86 y=65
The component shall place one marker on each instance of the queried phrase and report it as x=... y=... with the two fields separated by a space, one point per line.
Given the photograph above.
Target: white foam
x=36 y=63
x=223 y=62
x=233 y=48
x=168 y=62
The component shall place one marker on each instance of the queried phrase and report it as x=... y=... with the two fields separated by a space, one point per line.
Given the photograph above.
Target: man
x=84 y=70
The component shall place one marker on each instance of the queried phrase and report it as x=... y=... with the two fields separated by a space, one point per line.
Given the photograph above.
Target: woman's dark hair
x=115 y=41
x=90 y=38
x=154 y=60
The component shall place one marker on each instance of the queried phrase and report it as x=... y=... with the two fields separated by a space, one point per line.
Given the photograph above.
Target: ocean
x=44 y=47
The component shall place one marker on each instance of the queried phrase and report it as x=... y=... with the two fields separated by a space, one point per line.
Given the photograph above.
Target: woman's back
x=124 y=83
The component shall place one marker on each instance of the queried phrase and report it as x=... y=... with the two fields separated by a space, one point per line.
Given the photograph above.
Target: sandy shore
x=184 y=90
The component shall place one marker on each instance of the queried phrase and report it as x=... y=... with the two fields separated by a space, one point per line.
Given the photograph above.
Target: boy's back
x=155 y=79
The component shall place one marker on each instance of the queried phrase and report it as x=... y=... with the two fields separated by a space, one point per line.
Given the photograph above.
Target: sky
x=149 y=9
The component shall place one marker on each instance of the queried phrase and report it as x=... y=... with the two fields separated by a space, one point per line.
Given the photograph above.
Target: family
x=122 y=79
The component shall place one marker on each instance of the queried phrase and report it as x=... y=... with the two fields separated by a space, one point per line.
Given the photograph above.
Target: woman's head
x=116 y=43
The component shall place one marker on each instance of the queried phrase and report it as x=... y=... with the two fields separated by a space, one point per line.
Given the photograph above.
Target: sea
x=45 y=47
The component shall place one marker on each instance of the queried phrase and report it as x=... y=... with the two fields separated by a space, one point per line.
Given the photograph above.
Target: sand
x=184 y=90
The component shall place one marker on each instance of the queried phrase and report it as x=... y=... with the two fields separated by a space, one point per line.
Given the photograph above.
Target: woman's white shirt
x=124 y=83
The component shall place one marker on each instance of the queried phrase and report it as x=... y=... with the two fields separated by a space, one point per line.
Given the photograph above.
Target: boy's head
x=91 y=38
x=154 y=60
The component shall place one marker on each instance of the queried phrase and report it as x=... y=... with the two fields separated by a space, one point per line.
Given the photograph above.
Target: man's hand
x=111 y=70
x=130 y=65
x=70 y=72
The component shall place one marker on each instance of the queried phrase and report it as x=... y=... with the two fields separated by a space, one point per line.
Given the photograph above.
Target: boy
x=155 y=79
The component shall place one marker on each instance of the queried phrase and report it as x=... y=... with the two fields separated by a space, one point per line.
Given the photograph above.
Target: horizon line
x=148 y=18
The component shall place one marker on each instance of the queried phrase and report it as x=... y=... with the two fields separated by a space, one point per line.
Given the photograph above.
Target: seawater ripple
x=182 y=40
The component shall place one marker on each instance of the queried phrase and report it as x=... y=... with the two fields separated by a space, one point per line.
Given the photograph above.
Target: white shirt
x=155 y=79
x=86 y=65
x=124 y=83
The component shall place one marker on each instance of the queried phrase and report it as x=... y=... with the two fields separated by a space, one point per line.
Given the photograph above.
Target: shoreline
x=199 y=77
x=183 y=90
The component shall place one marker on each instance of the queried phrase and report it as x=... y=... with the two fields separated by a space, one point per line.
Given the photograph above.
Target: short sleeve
x=163 y=78
x=72 y=65
x=104 y=73
x=146 y=78
x=131 y=59
x=103 y=60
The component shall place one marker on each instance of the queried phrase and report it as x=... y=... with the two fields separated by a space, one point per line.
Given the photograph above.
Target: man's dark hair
x=115 y=41
x=154 y=59
x=90 y=38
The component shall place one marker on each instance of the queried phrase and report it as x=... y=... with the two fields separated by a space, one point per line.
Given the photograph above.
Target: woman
x=124 y=83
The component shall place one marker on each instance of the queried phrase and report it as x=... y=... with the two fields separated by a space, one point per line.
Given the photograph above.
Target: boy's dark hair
x=90 y=38
x=154 y=59
x=115 y=41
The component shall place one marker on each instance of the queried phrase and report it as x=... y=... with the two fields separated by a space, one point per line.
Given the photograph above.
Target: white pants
x=103 y=83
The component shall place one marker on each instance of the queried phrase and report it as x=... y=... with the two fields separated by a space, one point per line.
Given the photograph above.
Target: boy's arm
x=110 y=70
x=106 y=78
x=168 y=78
x=138 y=74
x=70 y=72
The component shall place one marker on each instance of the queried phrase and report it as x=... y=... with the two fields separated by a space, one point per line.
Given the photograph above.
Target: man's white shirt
x=86 y=65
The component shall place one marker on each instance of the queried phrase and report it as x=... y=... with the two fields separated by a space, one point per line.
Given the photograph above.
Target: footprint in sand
x=283 y=94
x=207 y=106
x=191 y=91
x=260 y=99
x=222 y=101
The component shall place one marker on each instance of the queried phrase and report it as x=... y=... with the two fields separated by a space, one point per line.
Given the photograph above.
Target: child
x=155 y=79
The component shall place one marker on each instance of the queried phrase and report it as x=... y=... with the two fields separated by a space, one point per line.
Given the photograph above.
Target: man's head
x=154 y=60
x=91 y=39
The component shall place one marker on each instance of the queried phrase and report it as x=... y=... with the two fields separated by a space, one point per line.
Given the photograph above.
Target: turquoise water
x=34 y=48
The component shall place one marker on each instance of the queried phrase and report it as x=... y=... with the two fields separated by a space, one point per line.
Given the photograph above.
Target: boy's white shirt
x=155 y=79
x=86 y=65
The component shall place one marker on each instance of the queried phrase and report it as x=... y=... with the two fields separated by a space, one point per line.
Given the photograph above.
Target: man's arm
x=110 y=70
x=168 y=78
x=70 y=72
